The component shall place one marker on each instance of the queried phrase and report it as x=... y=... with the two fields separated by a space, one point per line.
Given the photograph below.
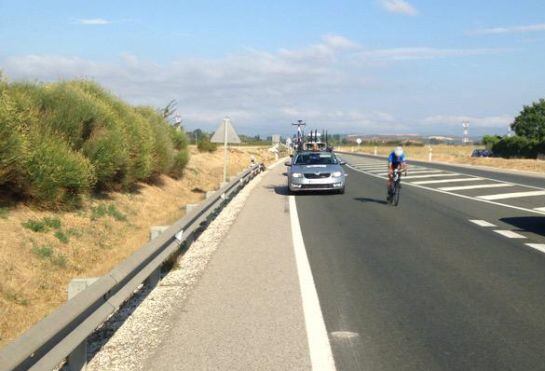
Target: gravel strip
x=137 y=329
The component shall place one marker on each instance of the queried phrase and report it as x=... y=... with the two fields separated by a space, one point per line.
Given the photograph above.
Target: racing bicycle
x=393 y=197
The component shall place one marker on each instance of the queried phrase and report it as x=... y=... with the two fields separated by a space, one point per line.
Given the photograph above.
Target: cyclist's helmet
x=398 y=151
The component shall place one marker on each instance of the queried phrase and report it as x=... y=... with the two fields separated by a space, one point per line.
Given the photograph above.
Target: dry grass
x=35 y=267
x=458 y=155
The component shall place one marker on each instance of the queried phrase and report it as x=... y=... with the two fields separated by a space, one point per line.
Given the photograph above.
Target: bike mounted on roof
x=313 y=142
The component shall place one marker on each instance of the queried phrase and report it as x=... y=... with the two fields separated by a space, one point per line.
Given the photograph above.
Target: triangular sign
x=219 y=135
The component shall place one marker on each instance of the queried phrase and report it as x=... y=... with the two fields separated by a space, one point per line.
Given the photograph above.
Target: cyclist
x=396 y=160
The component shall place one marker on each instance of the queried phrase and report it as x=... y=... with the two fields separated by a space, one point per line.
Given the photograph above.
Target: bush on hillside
x=205 y=145
x=61 y=140
x=180 y=162
x=530 y=123
x=518 y=147
x=12 y=143
x=58 y=176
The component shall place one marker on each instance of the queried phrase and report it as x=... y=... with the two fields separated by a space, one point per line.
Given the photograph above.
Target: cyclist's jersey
x=395 y=161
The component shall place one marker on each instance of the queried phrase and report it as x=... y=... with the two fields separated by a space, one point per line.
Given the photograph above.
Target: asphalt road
x=421 y=286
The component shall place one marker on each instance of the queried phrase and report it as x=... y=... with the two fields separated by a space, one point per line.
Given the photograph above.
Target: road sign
x=358 y=141
x=225 y=134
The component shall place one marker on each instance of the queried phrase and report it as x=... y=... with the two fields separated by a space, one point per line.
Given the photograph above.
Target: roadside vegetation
x=529 y=138
x=41 y=250
x=61 y=141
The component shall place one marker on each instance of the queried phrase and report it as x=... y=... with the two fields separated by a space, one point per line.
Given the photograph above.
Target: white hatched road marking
x=537 y=246
x=430 y=176
x=482 y=223
x=540 y=212
x=419 y=172
x=448 y=181
x=478 y=186
x=540 y=209
x=321 y=356
x=509 y=234
x=503 y=196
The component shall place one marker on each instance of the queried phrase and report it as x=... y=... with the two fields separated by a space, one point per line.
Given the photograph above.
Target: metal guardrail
x=45 y=345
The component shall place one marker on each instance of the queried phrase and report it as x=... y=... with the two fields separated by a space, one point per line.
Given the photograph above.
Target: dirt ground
x=458 y=155
x=36 y=267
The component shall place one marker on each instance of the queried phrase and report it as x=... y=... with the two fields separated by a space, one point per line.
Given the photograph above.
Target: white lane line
x=503 y=196
x=540 y=209
x=509 y=234
x=447 y=181
x=477 y=186
x=383 y=166
x=537 y=246
x=467 y=197
x=321 y=356
x=430 y=176
x=482 y=223
x=420 y=172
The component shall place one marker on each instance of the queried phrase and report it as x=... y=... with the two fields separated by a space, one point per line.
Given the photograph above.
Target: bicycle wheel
x=397 y=190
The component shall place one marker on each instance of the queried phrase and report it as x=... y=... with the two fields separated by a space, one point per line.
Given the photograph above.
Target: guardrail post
x=190 y=207
x=77 y=359
x=155 y=277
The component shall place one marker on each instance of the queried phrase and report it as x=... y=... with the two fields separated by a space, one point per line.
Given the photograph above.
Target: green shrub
x=59 y=260
x=115 y=213
x=61 y=140
x=4 y=212
x=180 y=162
x=205 y=145
x=13 y=149
x=43 y=252
x=98 y=212
x=52 y=222
x=178 y=137
x=61 y=236
x=517 y=147
x=35 y=225
x=103 y=210
x=58 y=176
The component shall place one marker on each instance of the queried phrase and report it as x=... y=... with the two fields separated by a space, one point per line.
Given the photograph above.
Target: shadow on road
x=534 y=224
x=283 y=191
x=373 y=200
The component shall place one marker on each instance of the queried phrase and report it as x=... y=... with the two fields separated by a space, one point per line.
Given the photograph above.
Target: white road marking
x=467 y=197
x=537 y=246
x=321 y=356
x=419 y=172
x=509 y=234
x=503 y=196
x=369 y=167
x=540 y=209
x=447 y=181
x=478 y=186
x=482 y=223
x=430 y=176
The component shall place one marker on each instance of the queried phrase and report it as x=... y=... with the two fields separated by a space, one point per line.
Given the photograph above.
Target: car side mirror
x=342 y=162
x=287 y=163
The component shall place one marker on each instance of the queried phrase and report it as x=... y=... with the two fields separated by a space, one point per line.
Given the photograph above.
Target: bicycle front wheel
x=397 y=190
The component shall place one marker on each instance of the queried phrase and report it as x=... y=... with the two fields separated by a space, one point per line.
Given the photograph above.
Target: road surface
x=452 y=279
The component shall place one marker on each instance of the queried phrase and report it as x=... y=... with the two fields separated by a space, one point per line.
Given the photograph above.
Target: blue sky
x=376 y=66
